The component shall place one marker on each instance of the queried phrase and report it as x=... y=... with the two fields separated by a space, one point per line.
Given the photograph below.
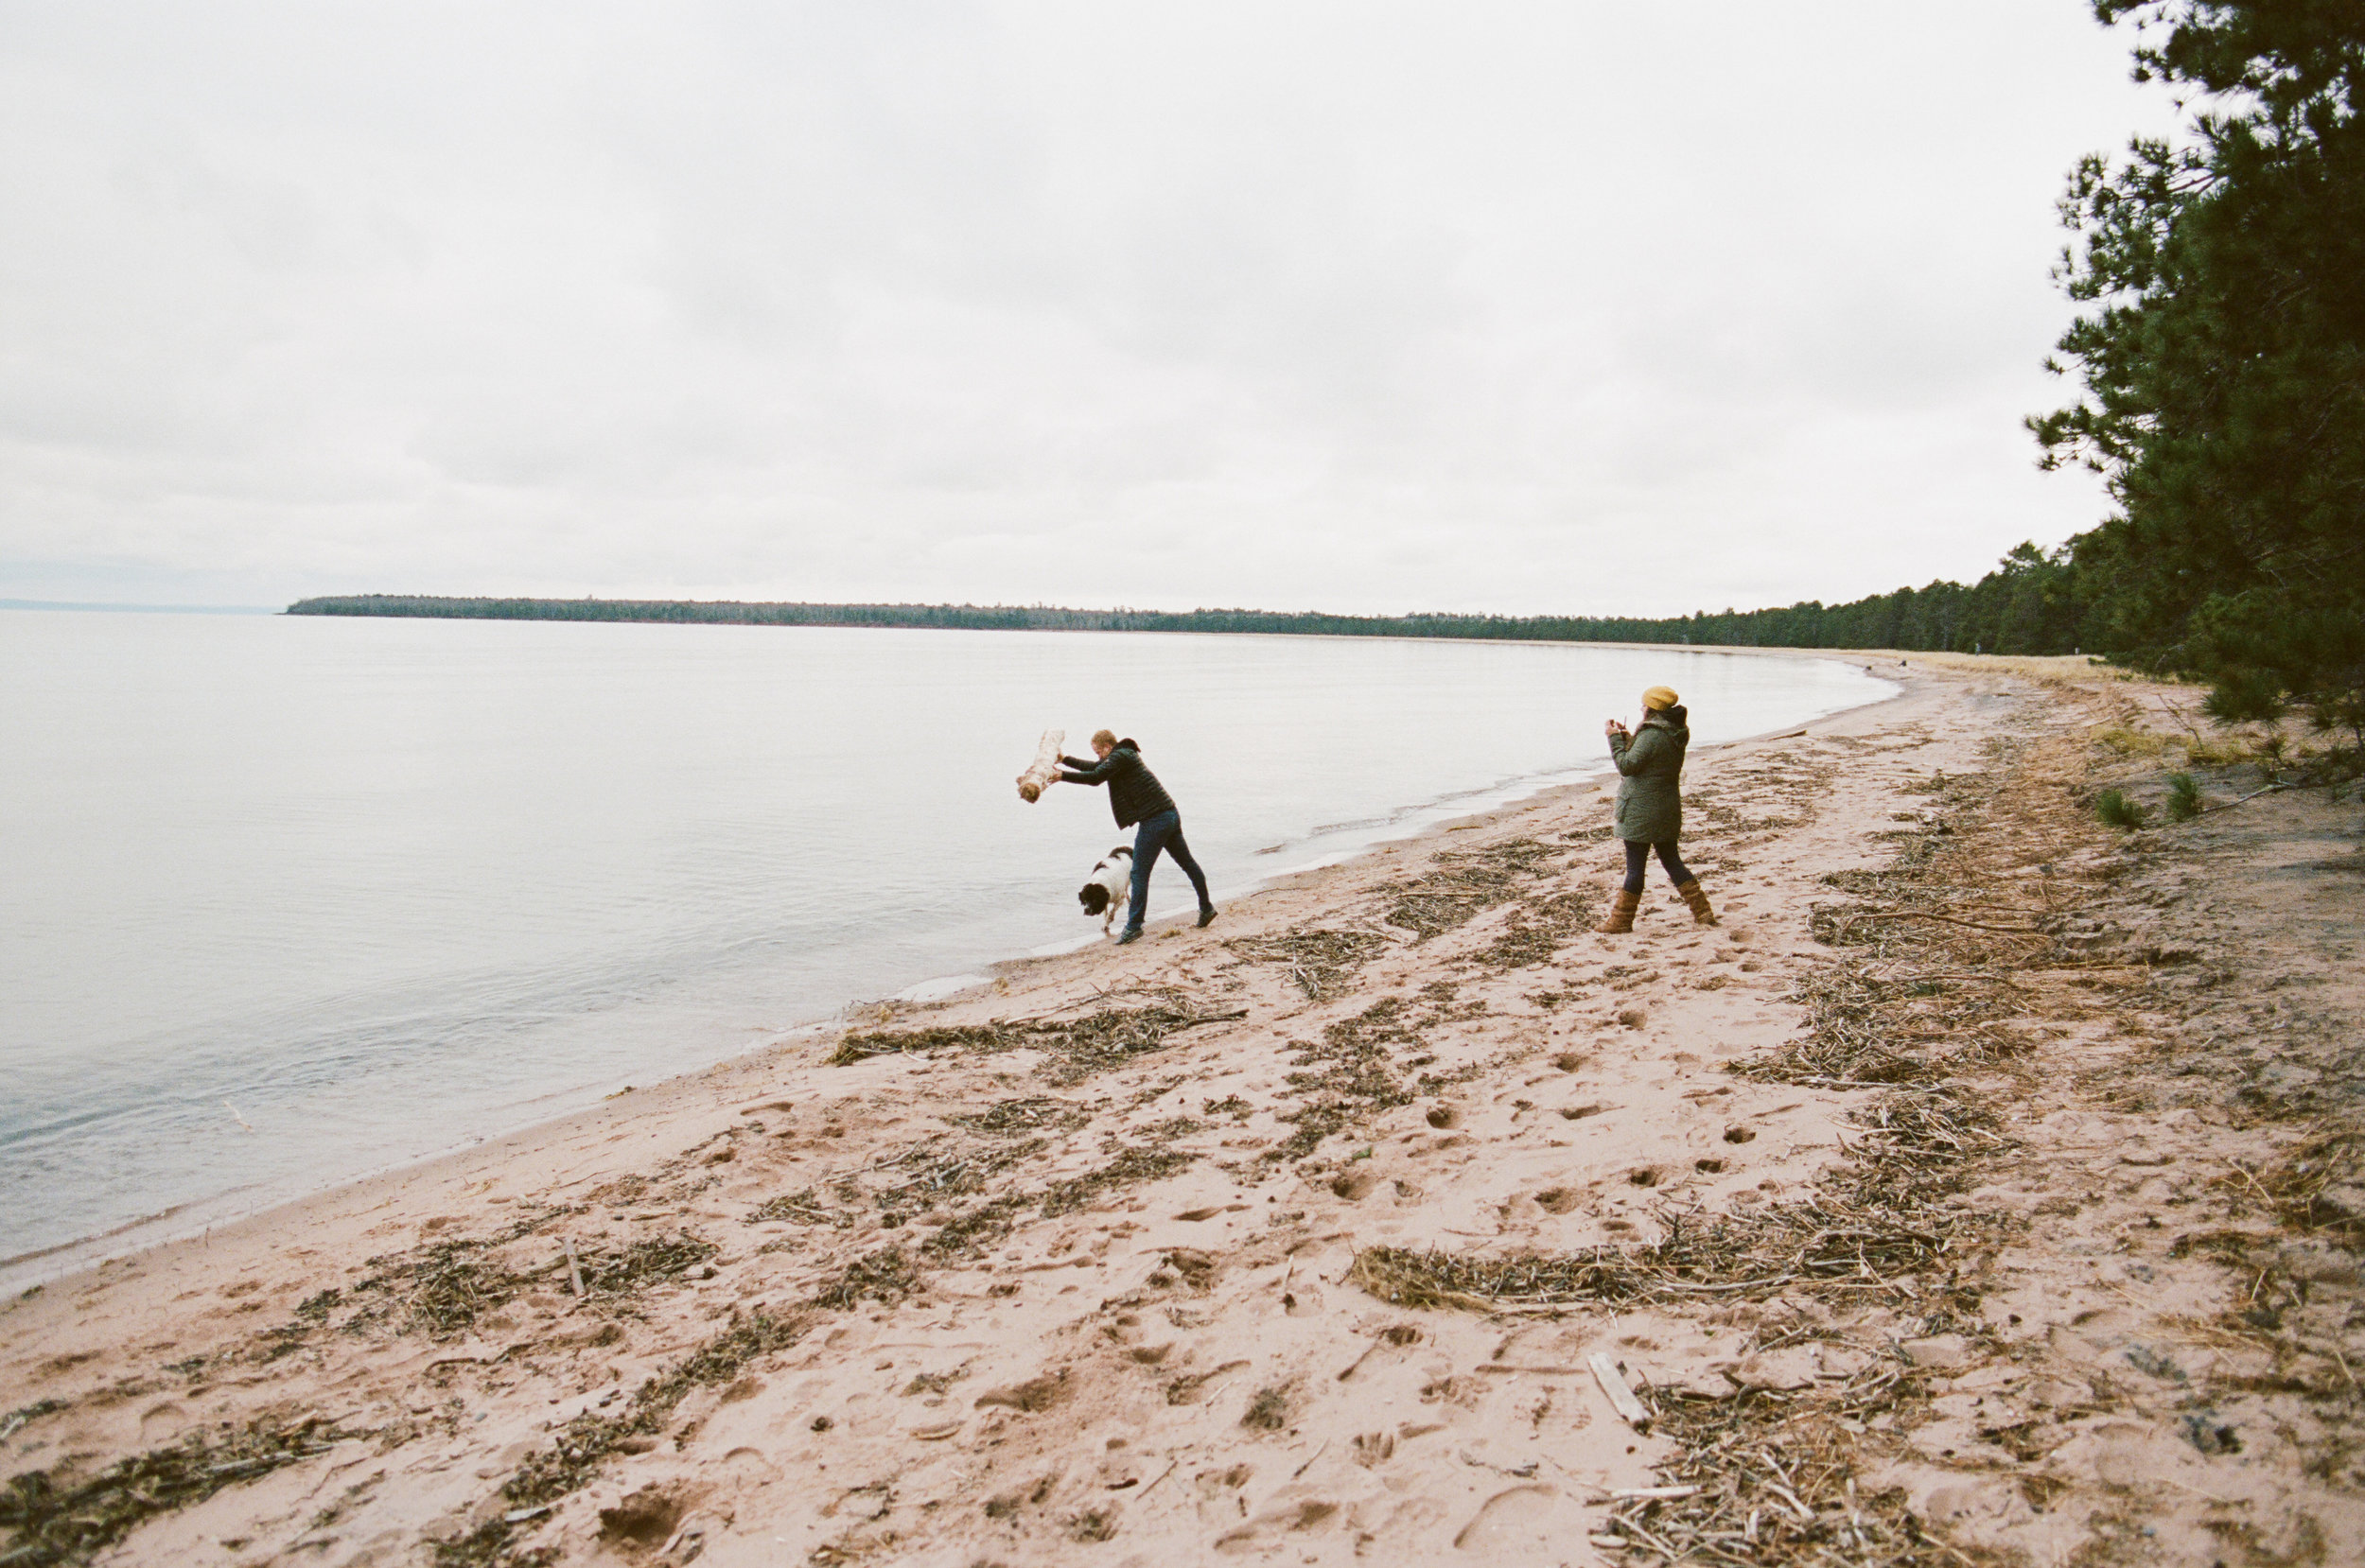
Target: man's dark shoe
x=1206 y=916
x=1132 y=933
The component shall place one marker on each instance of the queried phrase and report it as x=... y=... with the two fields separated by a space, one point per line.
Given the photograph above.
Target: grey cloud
x=1516 y=306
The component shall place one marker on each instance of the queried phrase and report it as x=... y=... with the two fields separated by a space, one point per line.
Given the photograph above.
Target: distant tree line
x=2026 y=605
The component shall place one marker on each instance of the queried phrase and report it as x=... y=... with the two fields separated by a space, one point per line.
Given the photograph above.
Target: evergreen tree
x=2223 y=359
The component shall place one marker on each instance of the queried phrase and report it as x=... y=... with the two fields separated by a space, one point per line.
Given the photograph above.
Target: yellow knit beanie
x=1657 y=698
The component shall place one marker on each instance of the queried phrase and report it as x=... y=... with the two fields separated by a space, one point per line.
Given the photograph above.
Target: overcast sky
x=1523 y=307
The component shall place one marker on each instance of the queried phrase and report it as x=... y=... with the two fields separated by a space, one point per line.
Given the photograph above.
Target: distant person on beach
x=1140 y=802
x=1650 y=806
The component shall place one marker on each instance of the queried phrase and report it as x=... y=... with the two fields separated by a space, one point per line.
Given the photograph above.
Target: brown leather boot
x=1690 y=893
x=1621 y=914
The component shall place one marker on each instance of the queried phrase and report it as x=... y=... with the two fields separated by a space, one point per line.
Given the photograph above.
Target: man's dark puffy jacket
x=1135 y=792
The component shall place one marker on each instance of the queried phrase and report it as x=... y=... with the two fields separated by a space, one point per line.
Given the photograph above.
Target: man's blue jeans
x=1161 y=833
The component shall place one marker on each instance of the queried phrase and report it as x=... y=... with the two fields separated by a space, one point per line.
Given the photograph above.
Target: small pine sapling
x=2184 y=802
x=2113 y=807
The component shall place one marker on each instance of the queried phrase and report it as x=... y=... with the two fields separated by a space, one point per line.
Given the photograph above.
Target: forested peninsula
x=2024 y=606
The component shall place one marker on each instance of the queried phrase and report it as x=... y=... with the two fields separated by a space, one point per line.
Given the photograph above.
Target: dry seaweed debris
x=442 y=1289
x=584 y=1443
x=642 y=1263
x=1537 y=930
x=1129 y=1167
x=1821 y=1247
x=803 y=1206
x=54 y=1520
x=938 y=1169
x=439 y=1289
x=1910 y=1001
x=24 y=1416
x=1876 y=1229
x=989 y=1222
x=1464 y=882
x=1315 y=961
x=1764 y=1478
x=979 y=1225
x=1076 y=1047
x=886 y=1275
x=860 y=1045
x=1268 y=1411
x=1022 y=1115
x=2319 y=1187
x=1774 y=1481
x=923 y=1175
x=1349 y=1076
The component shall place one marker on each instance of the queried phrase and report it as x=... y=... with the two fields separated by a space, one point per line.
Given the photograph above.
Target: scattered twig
x=1917 y=914
x=2271 y=788
x=2183 y=1486
x=2244 y=1172
x=1621 y=1397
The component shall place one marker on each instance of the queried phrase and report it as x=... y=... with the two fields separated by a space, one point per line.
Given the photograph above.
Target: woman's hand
x=1613 y=728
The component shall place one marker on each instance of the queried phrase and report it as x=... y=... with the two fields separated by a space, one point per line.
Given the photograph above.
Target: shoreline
x=1433 y=819
x=1312 y=1233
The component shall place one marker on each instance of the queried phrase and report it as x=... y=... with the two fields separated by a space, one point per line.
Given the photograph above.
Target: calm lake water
x=288 y=899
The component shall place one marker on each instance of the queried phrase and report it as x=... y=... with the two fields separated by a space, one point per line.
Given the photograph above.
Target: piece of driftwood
x=1621 y=1397
x=1046 y=766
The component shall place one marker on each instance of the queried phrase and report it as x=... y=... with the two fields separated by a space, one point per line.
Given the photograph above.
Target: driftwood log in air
x=1039 y=773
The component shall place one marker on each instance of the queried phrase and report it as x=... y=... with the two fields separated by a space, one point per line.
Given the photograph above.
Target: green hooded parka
x=1649 y=796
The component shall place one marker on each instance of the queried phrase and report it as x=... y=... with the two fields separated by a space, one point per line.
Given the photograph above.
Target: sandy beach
x=1985 y=1188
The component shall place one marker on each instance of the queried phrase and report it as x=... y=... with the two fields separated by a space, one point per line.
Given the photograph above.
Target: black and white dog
x=1105 y=890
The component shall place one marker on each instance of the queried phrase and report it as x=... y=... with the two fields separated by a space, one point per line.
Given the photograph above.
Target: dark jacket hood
x=1677 y=717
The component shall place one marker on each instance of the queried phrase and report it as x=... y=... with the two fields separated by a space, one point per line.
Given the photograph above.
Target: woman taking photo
x=1650 y=806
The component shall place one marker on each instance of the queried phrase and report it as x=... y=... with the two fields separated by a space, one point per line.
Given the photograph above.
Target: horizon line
x=140 y=609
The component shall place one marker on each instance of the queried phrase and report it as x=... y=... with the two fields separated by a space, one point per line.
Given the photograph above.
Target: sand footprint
x=1517 y=1515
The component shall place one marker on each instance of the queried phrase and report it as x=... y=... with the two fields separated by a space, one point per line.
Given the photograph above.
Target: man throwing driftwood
x=1142 y=804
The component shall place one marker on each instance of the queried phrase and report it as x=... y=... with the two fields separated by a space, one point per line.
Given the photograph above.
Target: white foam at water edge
x=942 y=987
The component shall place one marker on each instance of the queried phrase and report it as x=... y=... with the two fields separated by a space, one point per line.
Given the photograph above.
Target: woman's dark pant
x=1161 y=833
x=1638 y=856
